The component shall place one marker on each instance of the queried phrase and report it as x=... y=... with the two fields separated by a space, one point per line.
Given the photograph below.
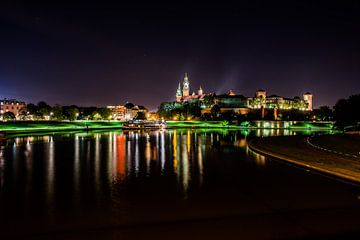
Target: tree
x=57 y=111
x=129 y=105
x=346 y=111
x=105 y=113
x=323 y=113
x=86 y=113
x=293 y=114
x=254 y=114
x=228 y=115
x=31 y=108
x=208 y=101
x=215 y=111
x=9 y=116
x=72 y=113
x=95 y=116
x=22 y=115
x=206 y=117
x=194 y=109
x=43 y=109
x=140 y=116
x=170 y=110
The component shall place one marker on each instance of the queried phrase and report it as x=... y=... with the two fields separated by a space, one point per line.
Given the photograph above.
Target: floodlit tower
x=261 y=93
x=186 y=86
x=308 y=98
x=200 y=91
x=178 y=94
x=232 y=93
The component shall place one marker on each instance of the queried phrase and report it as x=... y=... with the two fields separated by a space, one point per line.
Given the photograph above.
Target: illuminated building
x=132 y=112
x=118 y=112
x=152 y=116
x=242 y=105
x=126 y=112
x=178 y=94
x=186 y=86
x=232 y=102
x=183 y=95
x=200 y=91
x=231 y=93
x=261 y=93
x=261 y=100
x=12 y=105
x=308 y=99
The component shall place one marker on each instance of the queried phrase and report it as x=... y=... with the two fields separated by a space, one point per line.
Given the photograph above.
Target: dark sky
x=101 y=54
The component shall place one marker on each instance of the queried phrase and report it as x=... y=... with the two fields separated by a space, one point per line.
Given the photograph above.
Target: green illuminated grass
x=312 y=125
x=244 y=125
x=36 y=126
x=199 y=124
x=49 y=126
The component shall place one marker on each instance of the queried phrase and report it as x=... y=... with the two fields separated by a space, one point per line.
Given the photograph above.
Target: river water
x=114 y=183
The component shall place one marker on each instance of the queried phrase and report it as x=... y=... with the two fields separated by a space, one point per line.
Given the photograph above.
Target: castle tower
x=200 y=91
x=261 y=93
x=186 y=86
x=232 y=93
x=178 y=93
x=308 y=98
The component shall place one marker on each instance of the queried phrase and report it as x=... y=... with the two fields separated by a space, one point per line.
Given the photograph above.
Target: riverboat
x=144 y=124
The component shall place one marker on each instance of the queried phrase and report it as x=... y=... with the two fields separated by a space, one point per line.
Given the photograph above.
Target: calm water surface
x=54 y=183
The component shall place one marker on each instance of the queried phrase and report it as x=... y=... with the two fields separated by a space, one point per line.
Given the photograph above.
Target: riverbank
x=47 y=126
x=199 y=124
x=12 y=127
x=293 y=125
x=315 y=153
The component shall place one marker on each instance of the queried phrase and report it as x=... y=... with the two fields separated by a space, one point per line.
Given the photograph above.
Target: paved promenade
x=335 y=155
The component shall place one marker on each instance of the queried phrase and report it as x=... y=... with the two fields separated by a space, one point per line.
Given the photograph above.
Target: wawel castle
x=238 y=103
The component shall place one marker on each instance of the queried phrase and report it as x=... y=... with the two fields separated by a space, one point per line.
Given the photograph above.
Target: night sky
x=103 y=54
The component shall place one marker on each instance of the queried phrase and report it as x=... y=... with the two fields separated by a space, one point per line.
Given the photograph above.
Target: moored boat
x=144 y=124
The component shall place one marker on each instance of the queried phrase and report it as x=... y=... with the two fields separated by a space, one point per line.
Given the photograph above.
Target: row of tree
x=346 y=111
x=43 y=111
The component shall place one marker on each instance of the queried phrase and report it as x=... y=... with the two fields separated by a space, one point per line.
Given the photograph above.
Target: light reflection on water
x=50 y=169
x=85 y=167
x=2 y=167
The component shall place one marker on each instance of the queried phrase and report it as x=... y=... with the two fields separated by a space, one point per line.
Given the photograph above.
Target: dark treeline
x=347 y=112
x=43 y=111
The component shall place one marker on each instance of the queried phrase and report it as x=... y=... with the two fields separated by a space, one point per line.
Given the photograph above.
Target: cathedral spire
x=178 y=93
x=186 y=86
x=200 y=91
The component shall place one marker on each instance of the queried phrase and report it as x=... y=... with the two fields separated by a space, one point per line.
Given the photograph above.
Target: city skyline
x=107 y=54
